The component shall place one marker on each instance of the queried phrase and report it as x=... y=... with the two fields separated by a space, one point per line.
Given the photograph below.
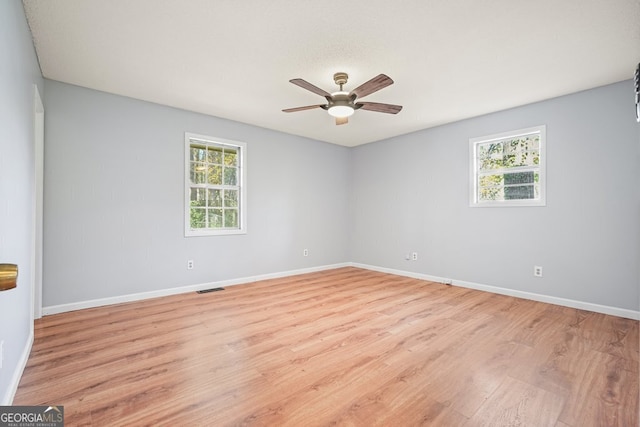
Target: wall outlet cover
x=537 y=271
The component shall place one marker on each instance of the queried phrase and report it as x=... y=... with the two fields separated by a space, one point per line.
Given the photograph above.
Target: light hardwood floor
x=340 y=347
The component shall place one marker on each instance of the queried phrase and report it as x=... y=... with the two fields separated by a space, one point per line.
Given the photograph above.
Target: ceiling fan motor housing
x=340 y=79
x=340 y=104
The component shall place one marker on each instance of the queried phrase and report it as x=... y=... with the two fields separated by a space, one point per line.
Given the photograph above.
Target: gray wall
x=114 y=179
x=410 y=193
x=113 y=201
x=19 y=70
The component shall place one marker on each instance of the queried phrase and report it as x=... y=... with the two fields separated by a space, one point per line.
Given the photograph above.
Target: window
x=215 y=186
x=508 y=169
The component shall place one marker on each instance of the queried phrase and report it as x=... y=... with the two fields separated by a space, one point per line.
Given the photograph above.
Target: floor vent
x=206 y=291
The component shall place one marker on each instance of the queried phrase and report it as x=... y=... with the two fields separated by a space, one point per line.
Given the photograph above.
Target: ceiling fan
x=342 y=104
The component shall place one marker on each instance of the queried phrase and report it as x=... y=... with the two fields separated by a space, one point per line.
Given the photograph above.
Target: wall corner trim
x=7 y=399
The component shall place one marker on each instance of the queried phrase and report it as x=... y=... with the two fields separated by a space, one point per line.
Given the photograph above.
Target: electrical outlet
x=305 y=252
x=414 y=256
x=190 y=264
x=537 y=271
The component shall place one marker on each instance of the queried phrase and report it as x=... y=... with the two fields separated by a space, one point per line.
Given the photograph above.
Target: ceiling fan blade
x=375 y=84
x=308 y=86
x=379 y=107
x=306 y=107
x=342 y=120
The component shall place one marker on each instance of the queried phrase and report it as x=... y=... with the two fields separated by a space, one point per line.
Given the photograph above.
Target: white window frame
x=189 y=138
x=542 y=174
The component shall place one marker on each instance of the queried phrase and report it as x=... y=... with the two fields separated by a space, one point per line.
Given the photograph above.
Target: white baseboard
x=400 y=272
x=62 y=308
x=7 y=399
x=597 y=308
x=614 y=311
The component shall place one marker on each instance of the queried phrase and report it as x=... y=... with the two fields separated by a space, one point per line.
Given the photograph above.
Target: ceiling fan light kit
x=341 y=110
x=342 y=104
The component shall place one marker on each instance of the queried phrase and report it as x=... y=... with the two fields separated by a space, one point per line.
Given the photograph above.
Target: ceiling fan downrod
x=340 y=79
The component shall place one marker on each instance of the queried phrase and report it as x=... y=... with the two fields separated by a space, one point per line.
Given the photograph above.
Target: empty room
x=358 y=213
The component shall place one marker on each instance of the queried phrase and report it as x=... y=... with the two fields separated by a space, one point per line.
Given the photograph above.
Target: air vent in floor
x=206 y=291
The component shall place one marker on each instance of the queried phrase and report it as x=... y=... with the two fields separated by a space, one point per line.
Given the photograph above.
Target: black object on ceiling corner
x=637 y=85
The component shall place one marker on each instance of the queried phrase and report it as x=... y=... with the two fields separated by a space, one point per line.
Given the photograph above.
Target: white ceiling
x=450 y=59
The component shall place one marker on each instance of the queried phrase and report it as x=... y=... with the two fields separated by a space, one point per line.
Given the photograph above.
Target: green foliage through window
x=507 y=168
x=214 y=186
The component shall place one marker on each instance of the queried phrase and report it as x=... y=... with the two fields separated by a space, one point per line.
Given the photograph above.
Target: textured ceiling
x=450 y=59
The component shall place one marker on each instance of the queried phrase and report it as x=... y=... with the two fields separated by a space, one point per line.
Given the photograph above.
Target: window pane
x=197 y=153
x=519 y=192
x=215 y=198
x=215 y=218
x=197 y=217
x=197 y=173
x=491 y=180
x=198 y=197
x=230 y=176
x=231 y=218
x=231 y=198
x=518 y=178
x=490 y=156
x=214 y=155
x=522 y=151
x=214 y=175
x=230 y=157
x=491 y=193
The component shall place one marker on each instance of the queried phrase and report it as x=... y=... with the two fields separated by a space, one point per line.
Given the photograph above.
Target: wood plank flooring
x=345 y=347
